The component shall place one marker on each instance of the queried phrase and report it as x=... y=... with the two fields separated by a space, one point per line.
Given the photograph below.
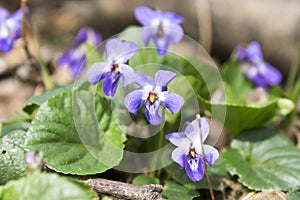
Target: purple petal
x=93 y=37
x=64 y=59
x=254 y=52
x=30 y=157
x=211 y=154
x=127 y=74
x=145 y=15
x=97 y=72
x=241 y=53
x=260 y=81
x=15 y=22
x=81 y=37
x=152 y=112
x=6 y=44
x=133 y=101
x=162 y=44
x=163 y=77
x=179 y=156
x=204 y=128
x=174 y=32
x=76 y=66
x=18 y=14
x=192 y=131
x=271 y=74
x=147 y=33
x=179 y=139
x=173 y=17
x=118 y=51
x=87 y=35
x=110 y=84
x=252 y=72
x=142 y=79
x=194 y=168
x=3 y=14
x=171 y=100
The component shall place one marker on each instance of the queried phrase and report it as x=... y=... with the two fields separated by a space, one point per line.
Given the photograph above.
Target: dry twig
x=125 y=190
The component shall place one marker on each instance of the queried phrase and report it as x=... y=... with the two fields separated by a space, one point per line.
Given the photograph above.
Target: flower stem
x=42 y=67
x=160 y=143
x=47 y=80
x=293 y=72
x=211 y=192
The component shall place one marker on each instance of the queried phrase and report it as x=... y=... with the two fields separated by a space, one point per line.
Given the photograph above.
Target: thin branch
x=29 y=56
x=126 y=191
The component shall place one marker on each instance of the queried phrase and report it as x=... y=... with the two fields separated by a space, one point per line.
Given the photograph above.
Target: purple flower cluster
x=189 y=154
x=153 y=93
x=74 y=58
x=10 y=29
x=161 y=27
x=256 y=69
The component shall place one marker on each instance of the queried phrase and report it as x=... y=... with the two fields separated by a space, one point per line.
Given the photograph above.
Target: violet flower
x=10 y=29
x=34 y=161
x=256 y=69
x=189 y=154
x=117 y=53
x=74 y=58
x=153 y=93
x=162 y=27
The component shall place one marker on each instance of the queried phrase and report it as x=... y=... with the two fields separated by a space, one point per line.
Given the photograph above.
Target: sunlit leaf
x=238 y=118
x=73 y=139
x=46 y=187
x=269 y=164
x=173 y=191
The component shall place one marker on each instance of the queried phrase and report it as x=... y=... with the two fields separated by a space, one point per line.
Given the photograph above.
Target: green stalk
x=47 y=80
x=293 y=72
x=211 y=192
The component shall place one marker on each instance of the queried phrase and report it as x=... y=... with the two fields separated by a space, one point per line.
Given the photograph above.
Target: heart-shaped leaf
x=237 y=118
x=46 y=186
x=36 y=101
x=73 y=139
x=269 y=164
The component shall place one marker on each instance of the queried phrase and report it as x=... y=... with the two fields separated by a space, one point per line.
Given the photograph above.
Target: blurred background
x=218 y=25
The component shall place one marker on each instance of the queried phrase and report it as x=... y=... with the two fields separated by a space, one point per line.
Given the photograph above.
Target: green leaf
x=12 y=157
x=145 y=59
x=296 y=91
x=93 y=55
x=36 y=101
x=173 y=191
x=144 y=180
x=237 y=118
x=237 y=86
x=132 y=33
x=256 y=135
x=19 y=125
x=46 y=187
x=295 y=195
x=66 y=129
x=269 y=164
